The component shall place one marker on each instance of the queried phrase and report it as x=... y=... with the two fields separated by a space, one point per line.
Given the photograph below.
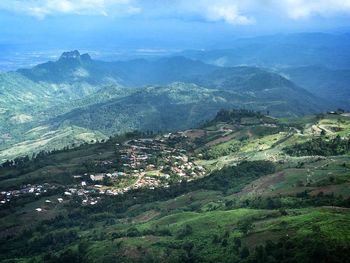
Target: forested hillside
x=78 y=99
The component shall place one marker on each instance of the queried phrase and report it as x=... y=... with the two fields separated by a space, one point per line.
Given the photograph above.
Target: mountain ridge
x=75 y=85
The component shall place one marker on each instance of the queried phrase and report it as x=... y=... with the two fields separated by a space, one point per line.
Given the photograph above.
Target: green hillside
x=102 y=98
x=236 y=189
x=182 y=105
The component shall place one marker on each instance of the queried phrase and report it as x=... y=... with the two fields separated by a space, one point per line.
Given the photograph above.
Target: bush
x=132 y=232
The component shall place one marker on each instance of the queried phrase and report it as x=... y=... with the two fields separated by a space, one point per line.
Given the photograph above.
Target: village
x=146 y=163
x=141 y=163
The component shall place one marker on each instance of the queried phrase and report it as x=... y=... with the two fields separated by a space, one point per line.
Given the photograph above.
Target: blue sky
x=173 y=24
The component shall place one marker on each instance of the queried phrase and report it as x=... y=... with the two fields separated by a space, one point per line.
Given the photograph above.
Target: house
x=166 y=176
x=98 y=177
x=200 y=168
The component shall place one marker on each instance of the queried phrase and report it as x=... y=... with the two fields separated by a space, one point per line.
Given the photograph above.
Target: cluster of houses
x=100 y=176
x=145 y=163
x=148 y=182
x=35 y=190
x=181 y=166
x=88 y=195
x=136 y=160
x=152 y=162
x=86 y=199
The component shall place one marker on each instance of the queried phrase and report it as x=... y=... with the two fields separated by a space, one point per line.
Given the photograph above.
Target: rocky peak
x=70 y=55
x=75 y=55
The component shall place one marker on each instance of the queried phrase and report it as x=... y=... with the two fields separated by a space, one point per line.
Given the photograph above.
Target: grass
x=268 y=225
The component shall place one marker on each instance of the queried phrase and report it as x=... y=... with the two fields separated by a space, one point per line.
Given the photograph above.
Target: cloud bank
x=235 y=12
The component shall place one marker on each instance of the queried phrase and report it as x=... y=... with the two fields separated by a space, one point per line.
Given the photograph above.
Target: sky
x=155 y=25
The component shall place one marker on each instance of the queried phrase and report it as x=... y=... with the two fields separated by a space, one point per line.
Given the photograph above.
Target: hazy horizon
x=170 y=25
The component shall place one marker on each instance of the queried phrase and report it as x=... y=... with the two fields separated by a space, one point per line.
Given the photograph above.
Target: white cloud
x=297 y=9
x=43 y=8
x=227 y=12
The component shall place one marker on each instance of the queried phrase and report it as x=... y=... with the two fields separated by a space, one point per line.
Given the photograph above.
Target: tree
x=132 y=232
x=245 y=226
x=237 y=242
x=186 y=231
x=107 y=181
x=244 y=253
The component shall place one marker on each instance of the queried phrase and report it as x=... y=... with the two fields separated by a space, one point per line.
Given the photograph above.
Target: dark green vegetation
x=320 y=146
x=77 y=99
x=257 y=204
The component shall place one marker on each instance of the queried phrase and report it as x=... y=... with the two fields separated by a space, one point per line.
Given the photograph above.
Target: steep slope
x=24 y=103
x=153 y=108
x=180 y=106
x=71 y=67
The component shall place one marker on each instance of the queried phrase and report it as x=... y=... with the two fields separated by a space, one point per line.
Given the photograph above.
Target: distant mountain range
x=281 y=50
x=104 y=98
x=331 y=84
